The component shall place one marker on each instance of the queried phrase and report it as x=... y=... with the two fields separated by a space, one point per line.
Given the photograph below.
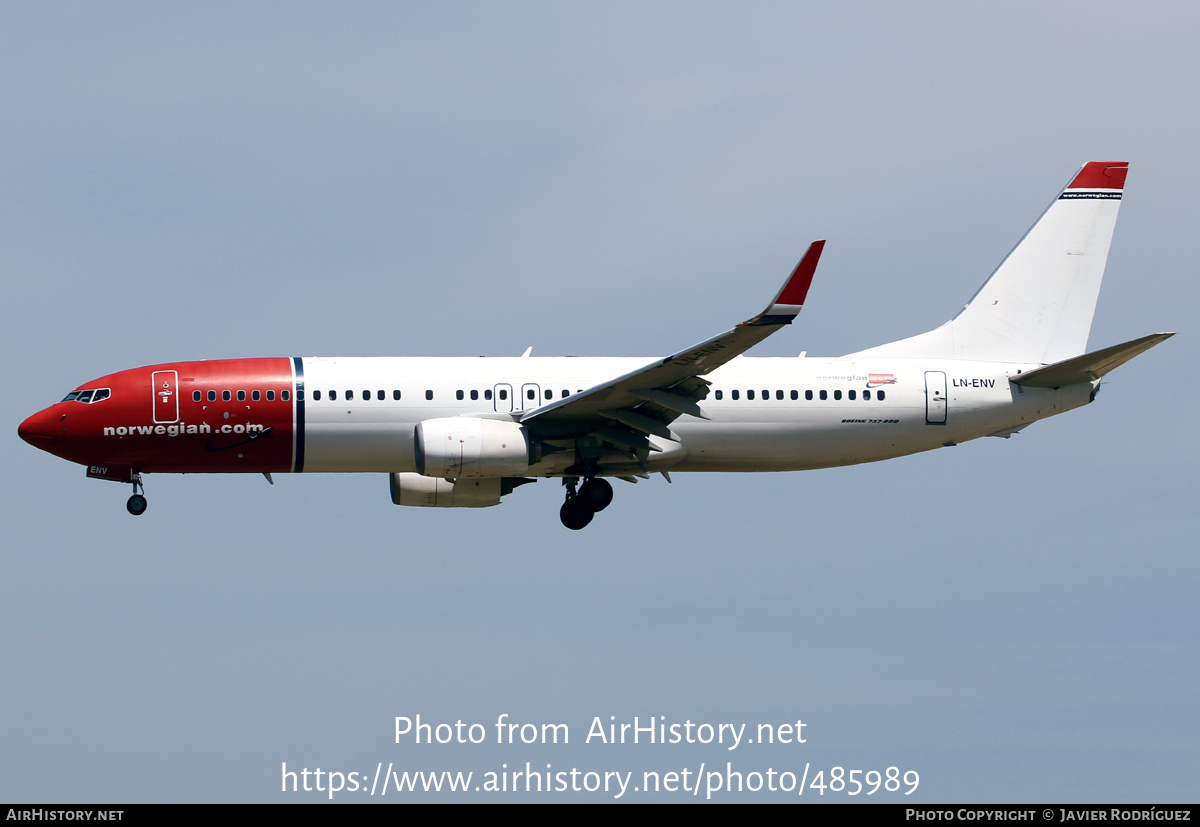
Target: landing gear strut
x=136 y=505
x=580 y=507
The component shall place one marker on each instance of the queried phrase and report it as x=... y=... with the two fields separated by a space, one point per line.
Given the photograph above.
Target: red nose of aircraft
x=41 y=428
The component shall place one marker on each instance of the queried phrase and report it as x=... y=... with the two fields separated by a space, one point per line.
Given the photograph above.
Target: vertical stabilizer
x=1038 y=304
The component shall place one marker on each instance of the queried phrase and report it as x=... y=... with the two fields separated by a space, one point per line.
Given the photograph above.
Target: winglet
x=795 y=289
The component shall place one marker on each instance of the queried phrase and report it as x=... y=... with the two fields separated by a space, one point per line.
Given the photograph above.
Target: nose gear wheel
x=136 y=504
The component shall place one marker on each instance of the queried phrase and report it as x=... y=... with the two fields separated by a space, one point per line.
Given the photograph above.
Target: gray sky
x=1015 y=620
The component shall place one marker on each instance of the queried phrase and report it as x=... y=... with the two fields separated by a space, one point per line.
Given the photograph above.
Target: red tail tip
x=1101 y=175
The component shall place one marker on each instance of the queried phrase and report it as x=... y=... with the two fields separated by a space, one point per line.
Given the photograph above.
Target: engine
x=464 y=447
x=435 y=492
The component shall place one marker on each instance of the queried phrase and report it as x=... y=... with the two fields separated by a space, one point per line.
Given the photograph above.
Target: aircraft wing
x=625 y=409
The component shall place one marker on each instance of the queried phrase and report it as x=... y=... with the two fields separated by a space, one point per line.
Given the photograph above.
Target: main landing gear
x=136 y=505
x=593 y=496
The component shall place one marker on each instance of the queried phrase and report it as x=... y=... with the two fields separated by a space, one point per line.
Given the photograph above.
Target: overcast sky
x=1013 y=619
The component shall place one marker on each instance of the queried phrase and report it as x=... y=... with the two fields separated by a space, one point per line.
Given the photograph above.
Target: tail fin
x=1038 y=304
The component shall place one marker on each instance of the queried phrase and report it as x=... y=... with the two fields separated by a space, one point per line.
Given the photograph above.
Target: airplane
x=463 y=432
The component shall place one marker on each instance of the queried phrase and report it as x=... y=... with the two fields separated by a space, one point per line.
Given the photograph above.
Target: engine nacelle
x=465 y=447
x=435 y=492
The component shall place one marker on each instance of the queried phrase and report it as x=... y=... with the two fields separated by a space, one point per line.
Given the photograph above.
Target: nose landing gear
x=581 y=506
x=136 y=504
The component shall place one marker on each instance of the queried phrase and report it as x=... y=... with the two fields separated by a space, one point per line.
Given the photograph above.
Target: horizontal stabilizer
x=1089 y=366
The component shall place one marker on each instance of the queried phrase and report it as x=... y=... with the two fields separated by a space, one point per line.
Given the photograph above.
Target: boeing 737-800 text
x=464 y=432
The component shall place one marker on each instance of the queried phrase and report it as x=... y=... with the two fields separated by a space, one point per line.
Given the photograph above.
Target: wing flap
x=641 y=422
x=671 y=401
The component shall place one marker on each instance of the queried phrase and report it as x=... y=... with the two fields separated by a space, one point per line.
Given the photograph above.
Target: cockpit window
x=89 y=396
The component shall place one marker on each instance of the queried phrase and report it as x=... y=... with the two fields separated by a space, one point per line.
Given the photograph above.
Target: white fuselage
x=926 y=404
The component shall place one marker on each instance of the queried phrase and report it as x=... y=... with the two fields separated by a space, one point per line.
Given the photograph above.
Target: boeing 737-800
x=465 y=432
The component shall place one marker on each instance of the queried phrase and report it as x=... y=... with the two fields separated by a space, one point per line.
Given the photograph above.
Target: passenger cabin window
x=733 y=394
x=795 y=395
x=837 y=395
x=808 y=395
x=316 y=396
x=879 y=396
x=503 y=394
x=299 y=395
x=241 y=396
x=349 y=395
x=255 y=396
x=720 y=394
x=195 y=396
x=851 y=395
x=566 y=393
x=429 y=395
x=333 y=396
x=212 y=396
x=749 y=394
x=458 y=395
x=866 y=395
x=379 y=395
x=779 y=394
x=396 y=395
x=270 y=396
x=487 y=395
x=225 y=396
x=824 y=395
x=286 y=395
x=474 y=395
